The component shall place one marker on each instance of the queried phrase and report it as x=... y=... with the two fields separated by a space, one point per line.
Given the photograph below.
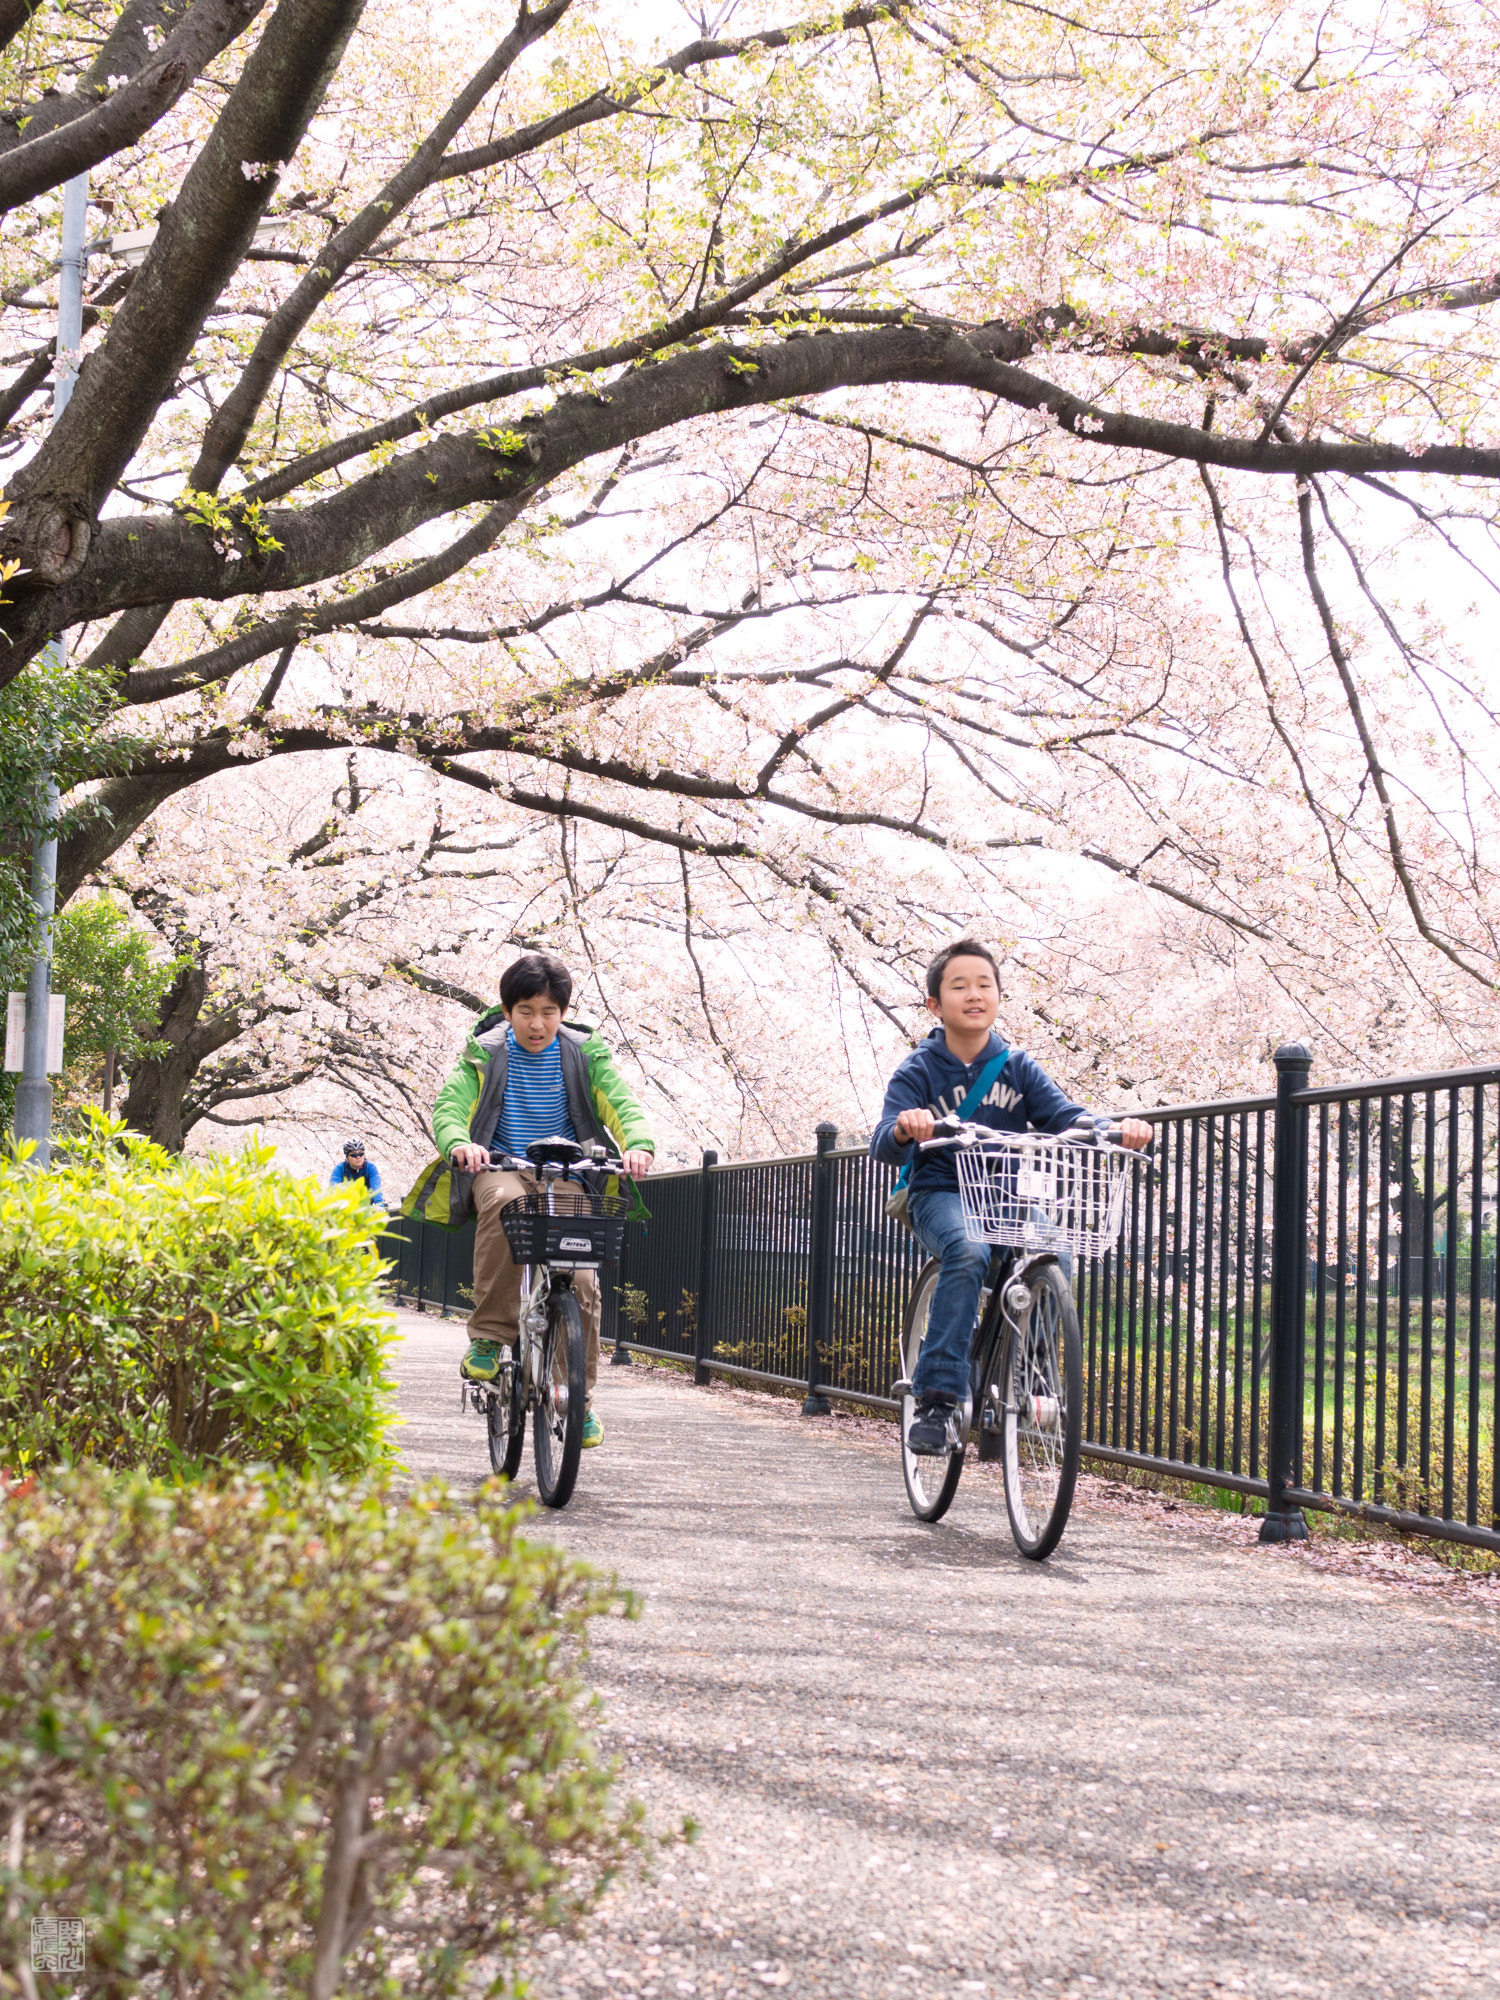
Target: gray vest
x=575 y=1069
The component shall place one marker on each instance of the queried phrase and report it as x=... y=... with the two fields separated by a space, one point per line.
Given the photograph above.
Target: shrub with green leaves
x=176 y=1314
x=270 y=1737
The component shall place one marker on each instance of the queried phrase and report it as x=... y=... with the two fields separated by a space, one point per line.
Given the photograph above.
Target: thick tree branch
x=231 y=422
x=441 y=989
x=14 y=14
x=306 y=621
x=126 y=51
x=147 y=560
x=198 y=245
x=37 y=164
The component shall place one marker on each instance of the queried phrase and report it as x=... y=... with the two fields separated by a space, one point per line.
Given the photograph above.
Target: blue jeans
x=937 y=1221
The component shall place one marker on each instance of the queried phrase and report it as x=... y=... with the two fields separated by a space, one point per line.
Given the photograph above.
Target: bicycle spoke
x=557 y=1420
x=1040 y=1398
x=1042 y=1428
x=930 y=1482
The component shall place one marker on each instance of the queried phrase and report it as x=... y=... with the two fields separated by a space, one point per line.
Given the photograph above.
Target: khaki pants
x=497 y=1277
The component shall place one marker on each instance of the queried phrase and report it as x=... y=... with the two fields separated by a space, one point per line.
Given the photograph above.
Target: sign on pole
x=15 y=1030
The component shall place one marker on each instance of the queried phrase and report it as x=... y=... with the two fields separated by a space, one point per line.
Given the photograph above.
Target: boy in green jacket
x=524 y=1075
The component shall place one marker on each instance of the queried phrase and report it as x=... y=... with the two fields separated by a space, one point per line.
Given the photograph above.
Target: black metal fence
x=1301 y=1306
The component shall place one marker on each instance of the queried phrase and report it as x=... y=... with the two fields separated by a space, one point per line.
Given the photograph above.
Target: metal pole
x=33 y=1116
x=820 y=1272
x=706 y=1232
x=1283 y=1522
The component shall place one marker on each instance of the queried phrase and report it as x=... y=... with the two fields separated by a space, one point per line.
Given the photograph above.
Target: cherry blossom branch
x=1373 y=764
x=1248 y=639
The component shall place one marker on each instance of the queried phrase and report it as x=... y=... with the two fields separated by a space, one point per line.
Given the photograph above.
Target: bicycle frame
x=547 y=1280
x=1006 y=1266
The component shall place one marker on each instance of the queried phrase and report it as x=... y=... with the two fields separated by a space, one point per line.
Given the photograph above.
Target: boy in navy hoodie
x=963 y=991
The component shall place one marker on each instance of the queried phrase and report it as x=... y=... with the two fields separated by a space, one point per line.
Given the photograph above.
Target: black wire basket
x=565 y=1224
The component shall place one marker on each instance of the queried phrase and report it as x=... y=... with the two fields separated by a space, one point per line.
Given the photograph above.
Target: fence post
x=820 y=1272
x=621 y=1356
x=707 y=1202
x=1285 y=1523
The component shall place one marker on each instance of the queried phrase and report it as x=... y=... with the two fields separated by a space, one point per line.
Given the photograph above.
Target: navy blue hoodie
x=1022 y=1098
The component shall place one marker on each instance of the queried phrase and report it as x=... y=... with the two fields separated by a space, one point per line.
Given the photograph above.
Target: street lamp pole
x=33 y=1116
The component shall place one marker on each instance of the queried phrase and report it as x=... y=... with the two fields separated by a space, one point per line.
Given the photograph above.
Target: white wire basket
x=1032 y=1192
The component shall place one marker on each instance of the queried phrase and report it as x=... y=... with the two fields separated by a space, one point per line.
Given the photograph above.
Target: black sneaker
x=928 y=1436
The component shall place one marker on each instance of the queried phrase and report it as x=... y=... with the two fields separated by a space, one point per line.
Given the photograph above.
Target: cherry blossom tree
x=861 y=474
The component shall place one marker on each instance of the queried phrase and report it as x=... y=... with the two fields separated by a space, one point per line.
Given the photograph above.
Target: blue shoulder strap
x=973 y=1100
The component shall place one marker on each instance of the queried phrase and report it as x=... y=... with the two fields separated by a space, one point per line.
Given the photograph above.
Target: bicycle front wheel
x=930 y=1482
x=557 y=1425
x=506 y=1421
x=1041 y=1384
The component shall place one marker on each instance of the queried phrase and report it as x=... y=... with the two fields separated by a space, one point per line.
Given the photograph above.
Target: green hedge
x=267 y=1737
x=172 y=1314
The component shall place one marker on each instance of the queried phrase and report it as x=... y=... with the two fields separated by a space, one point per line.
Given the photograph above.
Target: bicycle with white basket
x=1033 y=1196
x=570 y=1219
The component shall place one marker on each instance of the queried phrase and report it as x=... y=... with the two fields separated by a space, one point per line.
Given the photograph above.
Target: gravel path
x=1167 y=1762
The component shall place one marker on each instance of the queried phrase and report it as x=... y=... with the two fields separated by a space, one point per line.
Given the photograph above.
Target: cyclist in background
x=526 y=1074
x=355 y=1167
x=936 y=1080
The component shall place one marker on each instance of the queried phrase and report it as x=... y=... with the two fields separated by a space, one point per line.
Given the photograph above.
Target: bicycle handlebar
x=596 y=1158
x=952 y=1131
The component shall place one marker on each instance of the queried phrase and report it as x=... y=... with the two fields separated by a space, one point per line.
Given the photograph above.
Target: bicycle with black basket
x=1032 y=1196
x=571 y=1219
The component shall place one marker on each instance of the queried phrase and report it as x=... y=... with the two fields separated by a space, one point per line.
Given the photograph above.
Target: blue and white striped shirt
x=536 y=1099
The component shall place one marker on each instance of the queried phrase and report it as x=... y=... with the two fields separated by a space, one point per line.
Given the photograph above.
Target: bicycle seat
x=555 y=1152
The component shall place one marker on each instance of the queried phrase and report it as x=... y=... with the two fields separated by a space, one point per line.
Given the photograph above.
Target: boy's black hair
x=534 y=973
x=965 y=948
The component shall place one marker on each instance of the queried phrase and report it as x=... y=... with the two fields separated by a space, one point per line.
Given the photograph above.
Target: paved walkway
x=1167 y=1762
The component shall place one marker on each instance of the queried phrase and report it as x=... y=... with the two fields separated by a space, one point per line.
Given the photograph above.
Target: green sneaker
x=482 y=1362
x=593 y=1430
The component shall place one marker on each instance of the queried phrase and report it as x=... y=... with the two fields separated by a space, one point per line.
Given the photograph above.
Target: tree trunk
x=161 y=1077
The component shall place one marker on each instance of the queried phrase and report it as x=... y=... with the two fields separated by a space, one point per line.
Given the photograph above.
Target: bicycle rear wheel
x=1041 y=1387
x=505 y=1419
x=930 y=1482
x=557 y=1424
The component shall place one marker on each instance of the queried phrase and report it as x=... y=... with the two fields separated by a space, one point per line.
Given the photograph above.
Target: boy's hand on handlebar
x=470 y=1159
x=1135 y=1133
x=917 y=1123
x=639 y=1164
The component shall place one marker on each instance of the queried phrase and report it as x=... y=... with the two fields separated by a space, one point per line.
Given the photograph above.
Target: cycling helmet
x=353 y=1146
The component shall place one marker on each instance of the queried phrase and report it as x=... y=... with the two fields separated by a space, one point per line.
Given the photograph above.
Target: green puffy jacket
x=601 y=1105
